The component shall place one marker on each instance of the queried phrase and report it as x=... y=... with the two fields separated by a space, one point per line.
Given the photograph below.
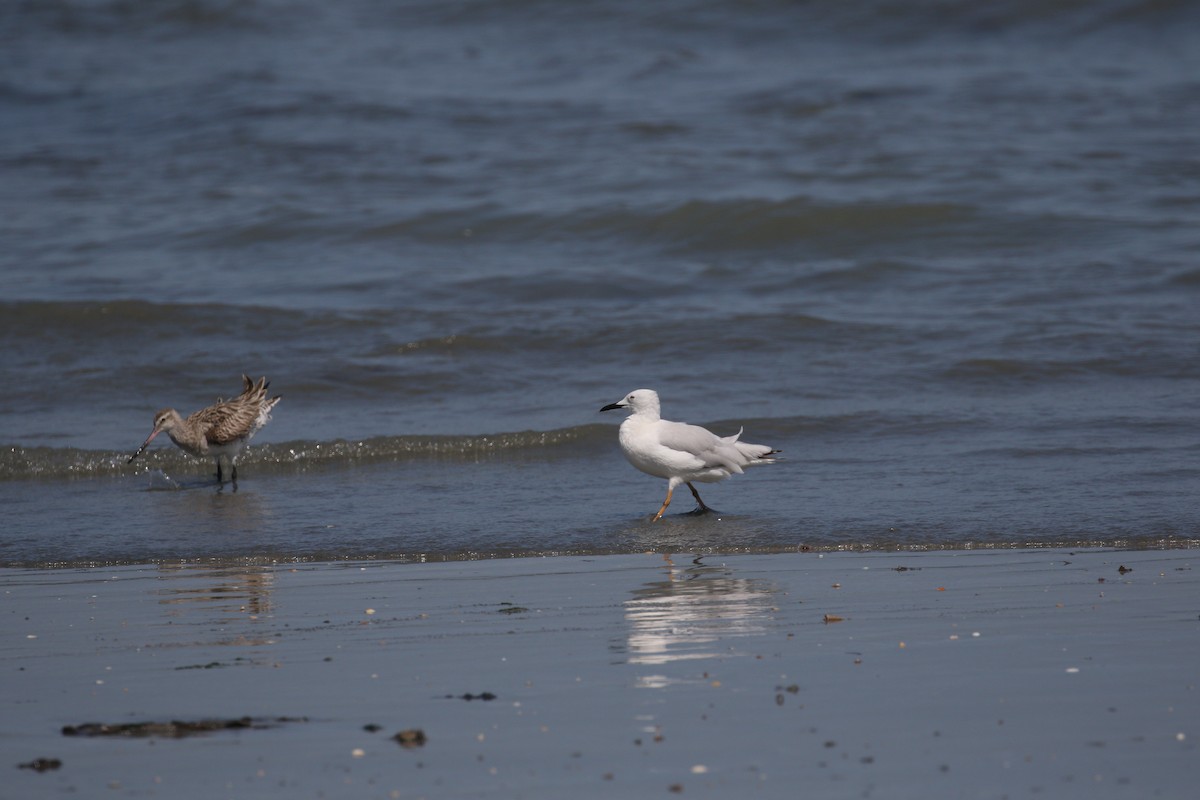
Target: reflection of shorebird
x=695 y=614
x=679 y=452
x=219 y=431
x=228 y=594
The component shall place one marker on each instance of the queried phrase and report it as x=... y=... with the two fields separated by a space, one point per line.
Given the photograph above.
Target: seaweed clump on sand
x=174 y=729
x=413 y=737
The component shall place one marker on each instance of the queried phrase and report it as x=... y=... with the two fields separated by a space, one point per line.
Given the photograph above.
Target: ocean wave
x=55 y=463
x=23 y=463
x=890 y=19
x=701 y=224
x=180 y=16
x=1009 y=369
x=92 y=317
x=789 y=433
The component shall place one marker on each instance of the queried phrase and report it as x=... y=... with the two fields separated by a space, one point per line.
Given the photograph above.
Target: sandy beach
x=989 y=674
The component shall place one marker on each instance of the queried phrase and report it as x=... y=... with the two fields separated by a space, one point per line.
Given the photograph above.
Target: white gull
x=679 y=452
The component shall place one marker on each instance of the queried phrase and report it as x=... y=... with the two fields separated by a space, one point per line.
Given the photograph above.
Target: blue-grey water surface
x=946 y=255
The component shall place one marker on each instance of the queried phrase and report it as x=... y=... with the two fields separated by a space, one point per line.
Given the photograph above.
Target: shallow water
x=943 y=255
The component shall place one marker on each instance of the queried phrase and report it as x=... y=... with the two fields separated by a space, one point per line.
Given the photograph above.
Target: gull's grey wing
x=708 y=449
x=686 y=438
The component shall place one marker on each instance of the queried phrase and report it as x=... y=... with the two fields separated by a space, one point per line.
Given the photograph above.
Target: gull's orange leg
x=667 y=502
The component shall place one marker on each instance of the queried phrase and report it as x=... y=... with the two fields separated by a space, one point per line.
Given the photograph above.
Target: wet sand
x=987 y=674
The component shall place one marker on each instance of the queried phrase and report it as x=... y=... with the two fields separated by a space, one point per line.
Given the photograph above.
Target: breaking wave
x=21 y=463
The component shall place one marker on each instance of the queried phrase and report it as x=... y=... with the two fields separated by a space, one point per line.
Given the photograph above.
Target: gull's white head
x=639 y=401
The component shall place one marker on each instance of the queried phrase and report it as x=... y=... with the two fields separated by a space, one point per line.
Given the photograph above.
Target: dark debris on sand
x=175 y=729
x=413 y=737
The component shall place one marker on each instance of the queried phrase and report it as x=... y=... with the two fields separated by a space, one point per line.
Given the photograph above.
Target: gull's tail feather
x=756 y=453
x=749 y=453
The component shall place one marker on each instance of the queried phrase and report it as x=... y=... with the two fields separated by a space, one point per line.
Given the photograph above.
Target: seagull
x=219 y=431
x=679 y=452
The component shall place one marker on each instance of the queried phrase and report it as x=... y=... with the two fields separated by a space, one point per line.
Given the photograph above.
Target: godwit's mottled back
x=219 y=431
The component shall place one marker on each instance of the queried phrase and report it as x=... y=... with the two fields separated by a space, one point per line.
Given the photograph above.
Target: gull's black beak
x=611 y=406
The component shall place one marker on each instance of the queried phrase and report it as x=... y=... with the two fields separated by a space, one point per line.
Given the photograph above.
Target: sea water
x=945 y=255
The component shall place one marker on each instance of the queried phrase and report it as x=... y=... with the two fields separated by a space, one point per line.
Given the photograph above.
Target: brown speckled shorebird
x=219 y=431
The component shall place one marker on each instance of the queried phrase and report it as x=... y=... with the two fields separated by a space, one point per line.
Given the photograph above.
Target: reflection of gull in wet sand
x=679 y=452
x=693 y=616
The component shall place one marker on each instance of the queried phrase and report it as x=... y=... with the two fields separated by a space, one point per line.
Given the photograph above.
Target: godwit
x=219 y=431
x=679 y=452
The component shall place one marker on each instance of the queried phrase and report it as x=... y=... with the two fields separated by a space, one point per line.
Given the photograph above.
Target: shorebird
x=219 y=431
x=679 y=452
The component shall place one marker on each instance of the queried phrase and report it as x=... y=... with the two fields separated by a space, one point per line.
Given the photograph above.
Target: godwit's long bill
x=219 y=431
